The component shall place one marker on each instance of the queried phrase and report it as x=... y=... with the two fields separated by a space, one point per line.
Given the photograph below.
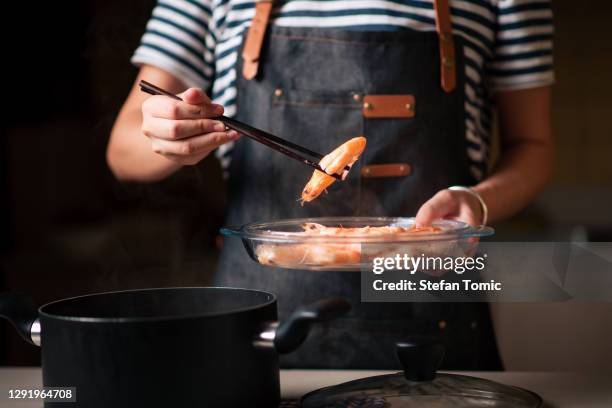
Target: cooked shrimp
x=312 y=228
x=292 y=256
x=335 y=254
x=333 y=163
x=317 y=184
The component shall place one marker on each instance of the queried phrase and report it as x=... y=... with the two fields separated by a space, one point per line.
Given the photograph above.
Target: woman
x=418 y=78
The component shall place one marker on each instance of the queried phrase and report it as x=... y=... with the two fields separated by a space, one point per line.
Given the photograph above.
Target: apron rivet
x=409 y=106
x=447 y=61
x=442 y=324
x=278 y=92
x=356 y=97
x=368 y=106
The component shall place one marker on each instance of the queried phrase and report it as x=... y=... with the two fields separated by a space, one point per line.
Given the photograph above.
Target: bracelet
x=483 y=205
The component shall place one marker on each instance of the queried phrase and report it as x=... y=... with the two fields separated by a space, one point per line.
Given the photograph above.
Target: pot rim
x=42 y=312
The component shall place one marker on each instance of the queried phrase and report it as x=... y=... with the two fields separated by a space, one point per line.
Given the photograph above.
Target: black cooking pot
x=174 y=347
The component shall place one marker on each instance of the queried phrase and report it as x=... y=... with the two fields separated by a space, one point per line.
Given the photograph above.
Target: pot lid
x=419 y=386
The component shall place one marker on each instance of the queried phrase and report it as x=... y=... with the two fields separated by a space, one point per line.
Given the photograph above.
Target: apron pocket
x=306 y=98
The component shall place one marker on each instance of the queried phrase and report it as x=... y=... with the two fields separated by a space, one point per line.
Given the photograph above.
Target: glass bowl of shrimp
x=351 y=243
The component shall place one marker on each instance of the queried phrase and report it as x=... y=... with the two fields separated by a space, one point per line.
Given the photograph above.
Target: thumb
x=439 y=206
x=194 y=96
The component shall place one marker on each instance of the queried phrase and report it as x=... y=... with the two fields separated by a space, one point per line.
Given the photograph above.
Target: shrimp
x=333 y=254
x=311 y=228
x=333 y=163
x=292 y=256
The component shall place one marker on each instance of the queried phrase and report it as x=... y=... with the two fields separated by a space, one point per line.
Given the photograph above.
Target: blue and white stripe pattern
x=508 y=46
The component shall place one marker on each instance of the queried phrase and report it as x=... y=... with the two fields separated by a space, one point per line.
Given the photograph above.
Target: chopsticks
x=274 y=142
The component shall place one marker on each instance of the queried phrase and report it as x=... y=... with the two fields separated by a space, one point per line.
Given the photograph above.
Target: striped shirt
x=508 y=46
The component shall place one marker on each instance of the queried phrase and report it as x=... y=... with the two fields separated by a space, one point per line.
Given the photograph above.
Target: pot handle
x=20 y=311
x=291 y=333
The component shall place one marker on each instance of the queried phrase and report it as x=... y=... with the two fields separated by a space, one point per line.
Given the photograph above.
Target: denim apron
x=310 y=90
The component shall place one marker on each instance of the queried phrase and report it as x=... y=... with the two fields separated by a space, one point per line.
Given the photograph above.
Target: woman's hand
x=450 y=204
x=523 y=169
x=183 y=131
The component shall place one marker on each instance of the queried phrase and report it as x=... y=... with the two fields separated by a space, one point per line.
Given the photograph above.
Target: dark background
x=68 y=228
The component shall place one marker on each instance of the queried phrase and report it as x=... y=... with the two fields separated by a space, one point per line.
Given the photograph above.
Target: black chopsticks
x=274 y=142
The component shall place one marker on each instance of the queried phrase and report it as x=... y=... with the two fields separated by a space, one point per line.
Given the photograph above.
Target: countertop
x=559 y=389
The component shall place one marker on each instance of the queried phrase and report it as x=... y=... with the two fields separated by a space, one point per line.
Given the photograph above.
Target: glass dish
x=285 y=243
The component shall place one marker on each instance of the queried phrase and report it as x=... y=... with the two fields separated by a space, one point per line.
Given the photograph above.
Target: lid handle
x=420 y=357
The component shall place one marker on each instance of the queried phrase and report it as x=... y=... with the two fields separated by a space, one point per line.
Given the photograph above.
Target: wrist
x=484 y=210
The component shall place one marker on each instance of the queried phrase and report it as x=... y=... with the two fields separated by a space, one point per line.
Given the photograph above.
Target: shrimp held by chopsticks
x=333 y=163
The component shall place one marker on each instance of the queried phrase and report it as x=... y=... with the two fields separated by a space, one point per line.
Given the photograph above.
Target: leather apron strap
x=255 y=37
x=446 y=44
x=263 y=9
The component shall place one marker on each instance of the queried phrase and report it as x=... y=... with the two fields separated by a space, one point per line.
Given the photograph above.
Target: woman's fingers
x=458 y=205
x=179 y=129
x=439 y=206
x=470 y=213
x=193 y=146
x=184 y=131
x=197 y=97
x=185 y=160
x=194 y=96
x=166 y=108
x=195 y=105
